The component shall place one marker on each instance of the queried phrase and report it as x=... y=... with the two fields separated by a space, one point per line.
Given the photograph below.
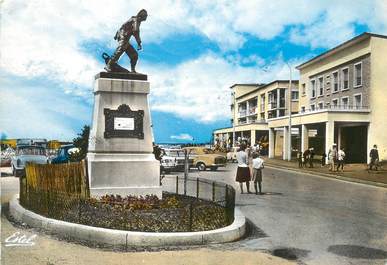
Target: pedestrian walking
x=257 y=172
x=323 y=157
x=340 y=159
x=305 y=155
x=332 y=157
x=243 y=170
x=374 y=155
x=311 y=157
x=299 y=158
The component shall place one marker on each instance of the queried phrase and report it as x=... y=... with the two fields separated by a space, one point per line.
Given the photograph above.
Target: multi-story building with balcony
x=251 y=106
x=342 y=100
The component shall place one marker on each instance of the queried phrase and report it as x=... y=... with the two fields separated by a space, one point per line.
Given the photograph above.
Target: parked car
x=173 y=160
x=27 y=153
x=231 y=155
x=63 y=155
x=206 y=158
x=6 y=157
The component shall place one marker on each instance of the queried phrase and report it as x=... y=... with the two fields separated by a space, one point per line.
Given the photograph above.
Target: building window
x=262 y=103
x=345 y=79
x=357 y=104
x=262 y=116
x=344 y=102
x=320 y=105
x=313 y=88
x=294 y=95
x=321 y=86
x=303 y=109
x=335 y=103
x=303 y=89
x=312 y=107
x=357 y=74
x=335 y=82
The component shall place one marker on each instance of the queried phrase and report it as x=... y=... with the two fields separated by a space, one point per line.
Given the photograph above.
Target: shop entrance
x=354 y=141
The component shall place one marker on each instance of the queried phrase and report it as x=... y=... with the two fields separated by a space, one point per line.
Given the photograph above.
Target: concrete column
x=329 y=136
x=252 y=137
x=339 y=138
x=285 y=145
x=304 y=138
x=271 y=142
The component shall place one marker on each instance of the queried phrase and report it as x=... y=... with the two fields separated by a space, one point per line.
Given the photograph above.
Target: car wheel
x=201 y=166
x=213 y=168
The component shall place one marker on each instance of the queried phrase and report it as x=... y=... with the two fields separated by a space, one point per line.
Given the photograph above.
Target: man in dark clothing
x=311 y=156
x=127 y=30
x=306 y=157
x=374 y=155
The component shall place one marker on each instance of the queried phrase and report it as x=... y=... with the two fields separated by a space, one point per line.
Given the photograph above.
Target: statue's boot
x=133 y=68
x=108 y=66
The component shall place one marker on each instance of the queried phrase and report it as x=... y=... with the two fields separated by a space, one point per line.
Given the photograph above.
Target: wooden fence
x=70 y=178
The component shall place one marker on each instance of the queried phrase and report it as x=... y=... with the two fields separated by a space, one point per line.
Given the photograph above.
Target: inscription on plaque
x=124 y=123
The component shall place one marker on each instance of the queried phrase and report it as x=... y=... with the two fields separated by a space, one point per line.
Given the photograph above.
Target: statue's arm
x=136 y=33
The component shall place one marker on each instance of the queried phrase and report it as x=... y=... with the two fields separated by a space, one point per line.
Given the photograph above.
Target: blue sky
x=193 y=52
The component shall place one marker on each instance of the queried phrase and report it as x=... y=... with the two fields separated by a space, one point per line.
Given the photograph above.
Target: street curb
x=366 y=182
x=120 y=238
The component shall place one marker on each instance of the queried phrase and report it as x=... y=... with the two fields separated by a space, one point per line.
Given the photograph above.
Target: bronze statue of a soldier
x=128 y=29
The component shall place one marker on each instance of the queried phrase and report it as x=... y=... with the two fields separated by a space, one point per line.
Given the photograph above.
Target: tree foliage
x=82 y=143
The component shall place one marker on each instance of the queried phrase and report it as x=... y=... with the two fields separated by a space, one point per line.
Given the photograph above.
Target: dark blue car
x=63 y=155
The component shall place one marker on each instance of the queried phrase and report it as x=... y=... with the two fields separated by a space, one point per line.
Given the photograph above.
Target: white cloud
x=182 y=136
x=200 y=88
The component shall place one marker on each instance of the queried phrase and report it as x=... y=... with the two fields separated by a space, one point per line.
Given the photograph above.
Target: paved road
x=318 y=220
x=321 y=220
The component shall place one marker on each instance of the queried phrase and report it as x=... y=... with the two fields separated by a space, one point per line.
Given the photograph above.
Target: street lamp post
x=290 y=114
x=233 y=120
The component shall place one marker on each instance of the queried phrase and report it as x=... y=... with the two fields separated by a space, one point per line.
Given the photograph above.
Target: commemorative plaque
x=124 y=123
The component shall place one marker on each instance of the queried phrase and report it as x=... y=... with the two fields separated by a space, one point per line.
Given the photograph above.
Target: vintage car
x=206 y=158
x=63 y=155
x=231 y=154
x=27 y=153
x=173 y=160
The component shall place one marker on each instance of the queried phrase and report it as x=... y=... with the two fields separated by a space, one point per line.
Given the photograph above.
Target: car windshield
x=208 y=151
x=31 y=151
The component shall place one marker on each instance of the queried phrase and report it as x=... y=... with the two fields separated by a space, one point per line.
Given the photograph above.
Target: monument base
x=124 y=174
x=120 y=158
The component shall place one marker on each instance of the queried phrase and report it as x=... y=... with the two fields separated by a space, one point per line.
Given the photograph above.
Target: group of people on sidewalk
x=336 y=158
x=249 y=169
x=305 y=158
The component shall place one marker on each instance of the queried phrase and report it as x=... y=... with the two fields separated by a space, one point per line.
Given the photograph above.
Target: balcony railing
x=259 y=121
x=242 y=113
x=346 y=107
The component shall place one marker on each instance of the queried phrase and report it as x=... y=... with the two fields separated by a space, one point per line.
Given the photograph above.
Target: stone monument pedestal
x=120 y=155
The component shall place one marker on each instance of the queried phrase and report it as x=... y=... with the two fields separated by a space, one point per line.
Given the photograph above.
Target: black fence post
x=177 y=184
x=213 y=191
x=190 y=217
x=226 y=195
x=197 y=188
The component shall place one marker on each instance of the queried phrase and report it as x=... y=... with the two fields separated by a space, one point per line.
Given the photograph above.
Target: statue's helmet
x=142 y=14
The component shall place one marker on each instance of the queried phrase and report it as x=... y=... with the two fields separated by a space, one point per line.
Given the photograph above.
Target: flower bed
x=174 y=213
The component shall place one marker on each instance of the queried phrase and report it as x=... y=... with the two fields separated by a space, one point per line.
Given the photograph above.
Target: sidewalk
x=352 y=172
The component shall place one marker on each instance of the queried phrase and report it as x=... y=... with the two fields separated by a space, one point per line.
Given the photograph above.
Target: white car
x=173 y=160
x=231 y=155
x=27 y=153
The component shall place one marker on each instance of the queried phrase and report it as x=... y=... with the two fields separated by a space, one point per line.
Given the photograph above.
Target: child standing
x=257 y=172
